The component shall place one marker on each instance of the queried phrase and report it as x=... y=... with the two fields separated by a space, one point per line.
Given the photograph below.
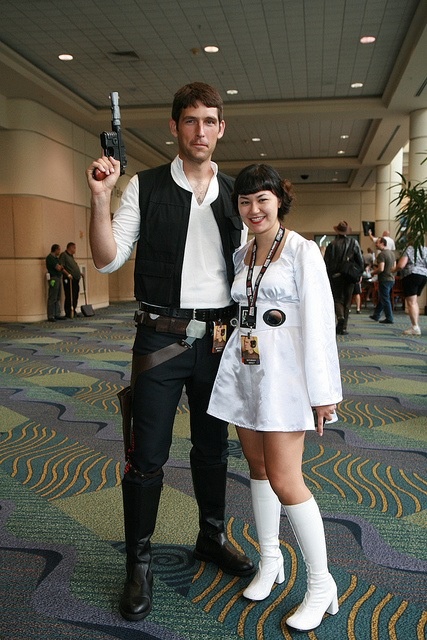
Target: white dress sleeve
x=318 y=326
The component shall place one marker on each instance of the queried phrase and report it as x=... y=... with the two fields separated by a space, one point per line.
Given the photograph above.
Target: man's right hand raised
x=103 y=174
x=102 y=242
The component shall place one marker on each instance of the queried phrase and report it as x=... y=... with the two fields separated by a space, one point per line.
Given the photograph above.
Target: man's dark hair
x=71 y=244
x=382 y=241
x=190 y=94
x=54 y=248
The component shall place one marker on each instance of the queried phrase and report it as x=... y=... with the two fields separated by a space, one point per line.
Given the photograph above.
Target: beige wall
x=318 y=211
x=44 y=199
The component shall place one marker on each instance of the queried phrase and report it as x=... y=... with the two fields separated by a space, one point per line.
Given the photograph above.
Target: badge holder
x=219 y=336
x=247 y=321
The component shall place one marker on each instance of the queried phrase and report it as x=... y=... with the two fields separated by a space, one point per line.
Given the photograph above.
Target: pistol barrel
x=115 y=110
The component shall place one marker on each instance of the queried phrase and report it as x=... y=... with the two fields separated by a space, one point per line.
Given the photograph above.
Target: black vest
x=165 y=213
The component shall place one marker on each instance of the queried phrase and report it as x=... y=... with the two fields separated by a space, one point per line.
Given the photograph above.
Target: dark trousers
x=384 y=300
x=156 y=396
x=54 y=297
x=342 y=293
x=71 y=293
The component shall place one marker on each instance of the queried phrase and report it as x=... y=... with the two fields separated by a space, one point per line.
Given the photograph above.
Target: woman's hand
x=324 y=413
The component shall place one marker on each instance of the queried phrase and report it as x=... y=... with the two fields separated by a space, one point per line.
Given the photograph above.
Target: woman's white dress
x=299 y=366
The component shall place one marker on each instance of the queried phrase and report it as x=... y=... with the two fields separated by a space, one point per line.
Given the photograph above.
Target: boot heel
x=261 y=586
x=333 y=607
x=280 y=576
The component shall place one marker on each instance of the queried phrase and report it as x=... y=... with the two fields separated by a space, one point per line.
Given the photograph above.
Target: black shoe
x=137 y=597
x=374 y=318
x=340 y=326
x=386 y=321
x=60 y=317
x=51 y=320
x=217 y=549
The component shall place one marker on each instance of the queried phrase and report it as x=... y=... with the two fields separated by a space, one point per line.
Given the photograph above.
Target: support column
x=387 y=188
x=417 y=172
x=417 y=146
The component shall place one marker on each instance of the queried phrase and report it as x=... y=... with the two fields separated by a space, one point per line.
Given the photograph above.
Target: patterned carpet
x=61 y=459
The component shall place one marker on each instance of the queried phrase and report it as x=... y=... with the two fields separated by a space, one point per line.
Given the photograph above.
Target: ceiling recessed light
x=169 y=142
x=65 y=56
x=262 y=155
x=356 y=85
x=256 y=139
x=367 y=39
x=211 y=48
x=340 y=152
x=344 y=136
x=232 y=92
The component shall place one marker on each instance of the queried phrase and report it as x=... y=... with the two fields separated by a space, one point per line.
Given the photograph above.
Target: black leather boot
x=140 y=506
x=212 y=544
x=340 y=330
x=137 y=597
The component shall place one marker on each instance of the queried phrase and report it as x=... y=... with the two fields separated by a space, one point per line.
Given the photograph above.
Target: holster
x=125 y=401
x=139 y=365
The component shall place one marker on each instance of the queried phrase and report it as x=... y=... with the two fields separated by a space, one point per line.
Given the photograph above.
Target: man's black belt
x=203 y=315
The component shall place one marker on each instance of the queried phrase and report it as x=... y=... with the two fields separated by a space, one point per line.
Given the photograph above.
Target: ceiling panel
x=300 y=56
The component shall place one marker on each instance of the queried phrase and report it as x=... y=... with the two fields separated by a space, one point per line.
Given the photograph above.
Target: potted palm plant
x=412 y=217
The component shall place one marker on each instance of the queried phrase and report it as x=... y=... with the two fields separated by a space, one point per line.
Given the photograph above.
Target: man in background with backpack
x=340 y=250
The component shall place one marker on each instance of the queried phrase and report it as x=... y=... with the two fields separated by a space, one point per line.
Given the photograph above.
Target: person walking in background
x=55 y=271
x=357 y=293
x=181 y=218
x=369 y=259
x=342 y=288
x=413 y=271
x=286 y=306
x=390 y=243
x=384 y=268
x=72 y=275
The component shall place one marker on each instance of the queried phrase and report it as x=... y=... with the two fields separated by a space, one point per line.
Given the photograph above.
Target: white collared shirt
x=204 y=278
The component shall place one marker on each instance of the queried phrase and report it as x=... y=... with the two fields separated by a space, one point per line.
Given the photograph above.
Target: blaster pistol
x=112 y=141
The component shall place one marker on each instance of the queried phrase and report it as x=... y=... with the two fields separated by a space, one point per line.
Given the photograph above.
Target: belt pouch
x=171 y=325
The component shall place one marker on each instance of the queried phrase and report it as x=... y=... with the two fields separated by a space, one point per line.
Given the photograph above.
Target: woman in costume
x=286 y=308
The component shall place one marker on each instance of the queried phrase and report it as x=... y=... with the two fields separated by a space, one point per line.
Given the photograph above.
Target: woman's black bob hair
x=263 y=177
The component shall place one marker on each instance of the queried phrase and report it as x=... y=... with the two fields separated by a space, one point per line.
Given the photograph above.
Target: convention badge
x=219 y=336
x=248 y=320
x=250 y=349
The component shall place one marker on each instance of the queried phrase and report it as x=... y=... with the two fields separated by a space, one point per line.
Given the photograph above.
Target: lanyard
x=252 y=292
